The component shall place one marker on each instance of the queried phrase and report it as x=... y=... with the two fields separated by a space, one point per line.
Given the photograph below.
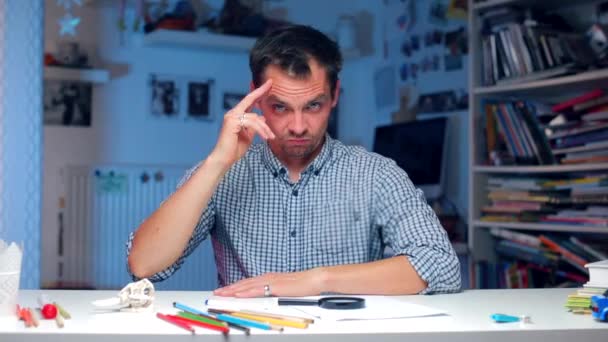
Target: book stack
x=579 y=131
x=575 y=200
x=580 y=301
x=514 y=134
x=519 y=46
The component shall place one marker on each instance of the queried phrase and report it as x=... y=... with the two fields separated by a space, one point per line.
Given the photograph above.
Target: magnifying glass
x=335 y=303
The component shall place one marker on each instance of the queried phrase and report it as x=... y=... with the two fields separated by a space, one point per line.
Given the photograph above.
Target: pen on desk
x=175 y=322
x=247 y=322
x=221 y=328
x=63 y=312
x=194 y=311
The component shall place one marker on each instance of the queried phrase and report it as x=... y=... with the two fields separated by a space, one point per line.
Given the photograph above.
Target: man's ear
x=336 y=94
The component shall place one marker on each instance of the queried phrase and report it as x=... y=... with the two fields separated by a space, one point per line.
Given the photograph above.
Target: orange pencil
x=33 y=316
x=26 y=317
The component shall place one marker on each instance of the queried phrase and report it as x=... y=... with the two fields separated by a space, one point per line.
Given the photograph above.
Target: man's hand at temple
x=239 y=128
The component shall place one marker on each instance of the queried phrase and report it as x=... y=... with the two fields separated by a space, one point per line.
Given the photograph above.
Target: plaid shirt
x=348 y=205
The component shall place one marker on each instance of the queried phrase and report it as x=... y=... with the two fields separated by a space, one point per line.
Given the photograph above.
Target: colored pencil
x=222 y=329
x=247 y=322
x=63 y=312
x=33 y=315
x=59 y=320
x=195 y=311
x=192 y=316
x=279 y=316
x=25 y=313
x=263 y=318
x=301 y=322
x=175 y=322
x=270 y=320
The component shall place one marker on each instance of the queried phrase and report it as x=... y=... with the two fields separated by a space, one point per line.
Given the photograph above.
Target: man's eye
x=313 y=107
x=278 y=108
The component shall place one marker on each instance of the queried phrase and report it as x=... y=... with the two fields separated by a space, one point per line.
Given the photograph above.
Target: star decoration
x=68 y=24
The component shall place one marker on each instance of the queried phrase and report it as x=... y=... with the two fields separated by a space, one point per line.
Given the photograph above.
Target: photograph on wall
x=198 y=99
x=67 y=103
x=456 y=42
x=443 y=101
x=164 y=96
x=231 y=100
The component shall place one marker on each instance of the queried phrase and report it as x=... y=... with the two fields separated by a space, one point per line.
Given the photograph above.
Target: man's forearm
x=161 y=239
x=393 y=276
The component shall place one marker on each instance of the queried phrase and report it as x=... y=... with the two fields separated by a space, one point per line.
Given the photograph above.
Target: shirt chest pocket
x=338 y=226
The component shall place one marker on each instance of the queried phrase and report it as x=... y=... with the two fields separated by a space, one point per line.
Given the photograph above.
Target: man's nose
x=298 y=126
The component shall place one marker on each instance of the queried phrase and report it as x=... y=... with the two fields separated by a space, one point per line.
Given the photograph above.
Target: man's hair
x=291 y=49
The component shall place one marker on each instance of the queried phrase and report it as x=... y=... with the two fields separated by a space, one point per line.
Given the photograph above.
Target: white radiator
x=103 y=204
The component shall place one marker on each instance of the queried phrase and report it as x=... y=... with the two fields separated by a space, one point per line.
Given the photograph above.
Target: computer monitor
x=419 y=148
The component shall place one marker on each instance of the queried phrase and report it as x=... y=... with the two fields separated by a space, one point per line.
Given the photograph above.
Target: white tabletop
x=467 y=320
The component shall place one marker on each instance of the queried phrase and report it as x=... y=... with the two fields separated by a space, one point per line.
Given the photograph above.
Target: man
x=299 y=214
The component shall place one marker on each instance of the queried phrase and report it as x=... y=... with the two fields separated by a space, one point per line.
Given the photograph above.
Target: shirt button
x=292 y=233
x=295 y=192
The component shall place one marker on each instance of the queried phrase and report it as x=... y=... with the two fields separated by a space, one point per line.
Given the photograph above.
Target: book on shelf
x=598 y=274
x=523 y=132
x=517 y=45
x=513 y=130
x=567 y=200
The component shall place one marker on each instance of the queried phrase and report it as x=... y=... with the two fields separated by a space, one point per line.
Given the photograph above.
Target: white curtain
x=21 y=71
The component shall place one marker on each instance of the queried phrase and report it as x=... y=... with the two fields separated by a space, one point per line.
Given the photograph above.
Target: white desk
x=468 y=320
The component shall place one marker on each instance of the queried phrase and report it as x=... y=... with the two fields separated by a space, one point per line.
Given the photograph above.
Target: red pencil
x=185 y=320
x=168 y=318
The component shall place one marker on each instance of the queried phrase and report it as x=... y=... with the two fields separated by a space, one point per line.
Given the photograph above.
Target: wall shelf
x=541 y=168
x=545 y=5
x=541 y=227
x=198 y=40
x=213 y=41
x=72 y=74
x=584 y=80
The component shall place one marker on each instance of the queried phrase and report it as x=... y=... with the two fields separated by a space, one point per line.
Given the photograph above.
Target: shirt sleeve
x=410 y=227
x=201 y=232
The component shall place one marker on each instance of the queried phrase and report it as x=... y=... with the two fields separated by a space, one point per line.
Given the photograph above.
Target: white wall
x=123 y=131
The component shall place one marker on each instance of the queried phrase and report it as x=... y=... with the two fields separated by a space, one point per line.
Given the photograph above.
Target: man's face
x=297 y=111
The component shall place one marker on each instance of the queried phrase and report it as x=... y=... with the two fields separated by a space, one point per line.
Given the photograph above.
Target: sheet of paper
x=376 y=307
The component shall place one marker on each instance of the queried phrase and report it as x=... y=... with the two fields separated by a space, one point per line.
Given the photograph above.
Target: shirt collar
x=273 y=164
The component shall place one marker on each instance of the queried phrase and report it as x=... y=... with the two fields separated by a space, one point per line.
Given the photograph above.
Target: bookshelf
x=482 y=244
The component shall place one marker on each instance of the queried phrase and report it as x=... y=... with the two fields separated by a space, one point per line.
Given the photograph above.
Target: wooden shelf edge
x=586 y=76
x=541 y=169
x=73 y=74
x=540 y=226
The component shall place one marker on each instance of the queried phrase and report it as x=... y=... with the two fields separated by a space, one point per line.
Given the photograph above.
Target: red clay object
x=49 y=311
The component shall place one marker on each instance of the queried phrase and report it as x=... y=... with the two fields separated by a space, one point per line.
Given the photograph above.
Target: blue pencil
x=189 y=309
x=246 y=322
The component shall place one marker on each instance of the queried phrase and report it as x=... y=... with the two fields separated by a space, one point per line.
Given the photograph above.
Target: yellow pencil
x=270 y=320
x=59 y=320
x=62 y=311
x=279 y=316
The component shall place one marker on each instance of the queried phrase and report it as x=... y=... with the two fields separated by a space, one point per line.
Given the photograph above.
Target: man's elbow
x=137 y=268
